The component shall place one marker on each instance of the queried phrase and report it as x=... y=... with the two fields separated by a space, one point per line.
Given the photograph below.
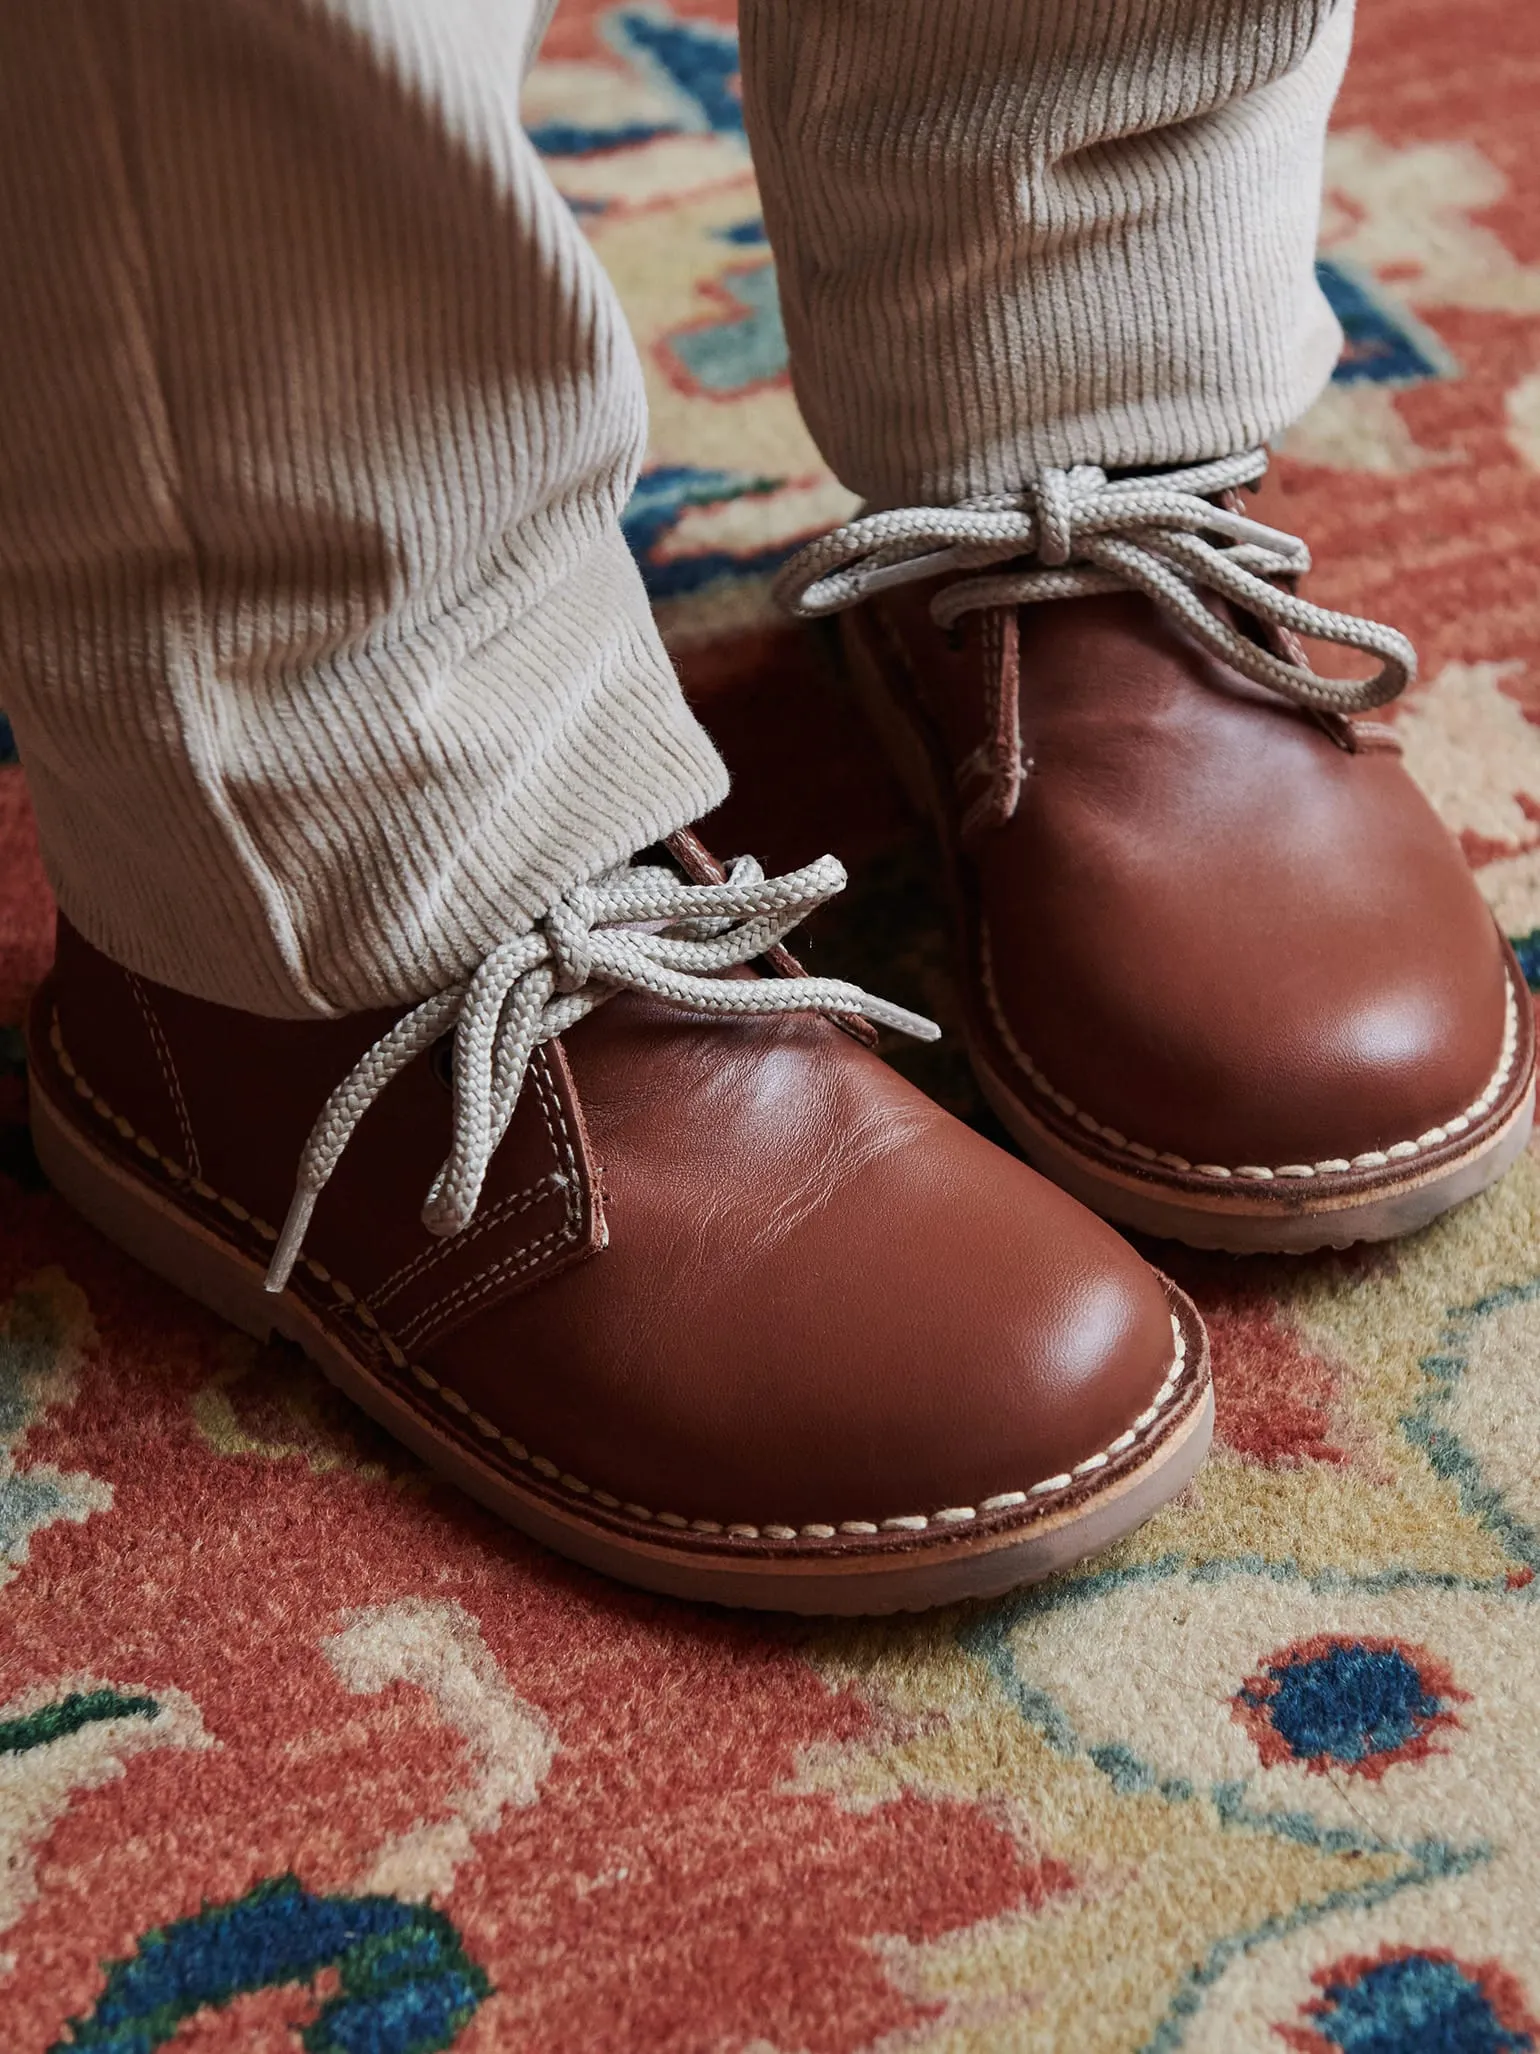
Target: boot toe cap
x=952 y=1329
x=1334 y=1056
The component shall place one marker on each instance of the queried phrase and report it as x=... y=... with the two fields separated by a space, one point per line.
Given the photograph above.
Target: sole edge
x=1385 y=1213
x=848 y=1583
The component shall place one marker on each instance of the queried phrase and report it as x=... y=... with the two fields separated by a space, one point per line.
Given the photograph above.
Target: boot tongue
x=685 y=852
x=993 y=773
x=690 y=856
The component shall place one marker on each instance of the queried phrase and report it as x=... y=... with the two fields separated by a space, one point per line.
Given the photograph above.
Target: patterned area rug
x=297 y=1750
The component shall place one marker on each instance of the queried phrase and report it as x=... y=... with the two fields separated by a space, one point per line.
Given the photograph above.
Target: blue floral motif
x=1412 y=2004
x=661 y=498
x=744 y=349
x=407 y=1984
x=1383 y=342
x=1333 y=1702
x=1347 y=1703
x=695 y=64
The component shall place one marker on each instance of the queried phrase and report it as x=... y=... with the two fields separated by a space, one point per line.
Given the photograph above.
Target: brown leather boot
x=1226 y=976
x=730 y=1311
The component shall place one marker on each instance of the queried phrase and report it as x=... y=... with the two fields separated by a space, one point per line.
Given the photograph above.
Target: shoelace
x=642 y=930
x=1091 y=533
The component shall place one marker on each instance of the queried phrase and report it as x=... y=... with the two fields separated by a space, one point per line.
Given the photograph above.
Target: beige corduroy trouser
x=326 y=658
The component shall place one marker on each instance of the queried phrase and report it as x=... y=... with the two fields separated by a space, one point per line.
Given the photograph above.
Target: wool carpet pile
x=299 y=1750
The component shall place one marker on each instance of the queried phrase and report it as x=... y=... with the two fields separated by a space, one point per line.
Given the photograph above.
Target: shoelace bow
x=642 y=930
x=1091 y=533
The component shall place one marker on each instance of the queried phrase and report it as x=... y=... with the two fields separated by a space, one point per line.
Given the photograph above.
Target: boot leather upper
x=735 y=1272
x=1206 y=918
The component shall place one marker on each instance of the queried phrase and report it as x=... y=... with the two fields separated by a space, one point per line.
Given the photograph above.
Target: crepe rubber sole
x=1237 y=1217
x=892 y=1573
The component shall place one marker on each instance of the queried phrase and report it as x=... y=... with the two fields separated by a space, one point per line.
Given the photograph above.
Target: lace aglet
x=286 y=1254
x=915 y=1025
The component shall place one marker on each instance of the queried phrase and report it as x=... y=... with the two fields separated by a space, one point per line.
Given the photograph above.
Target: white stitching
x=563 y=1177
x=432 y=1319
x=1334 y=1166
x=506 y=1208
x=950 y=1518
x=550 y=1101
x=168 y=1070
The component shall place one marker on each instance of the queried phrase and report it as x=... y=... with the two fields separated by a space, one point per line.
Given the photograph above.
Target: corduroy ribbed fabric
x=328 y=664
x=1020 y=233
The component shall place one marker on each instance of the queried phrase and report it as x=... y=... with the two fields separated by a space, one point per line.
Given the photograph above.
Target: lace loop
x=567 y=931
x=1059 y=495
x=642 y=930
x=1086 y=533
